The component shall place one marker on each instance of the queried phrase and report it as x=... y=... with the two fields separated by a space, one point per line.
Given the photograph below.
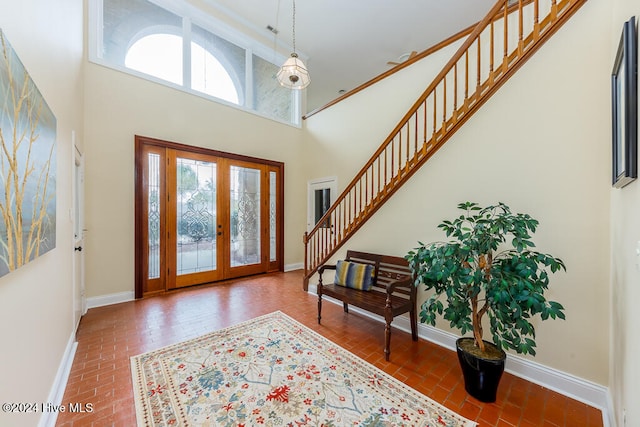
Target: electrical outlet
x=624 y=418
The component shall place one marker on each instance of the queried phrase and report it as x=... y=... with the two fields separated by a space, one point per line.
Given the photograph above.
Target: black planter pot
x=481 y=376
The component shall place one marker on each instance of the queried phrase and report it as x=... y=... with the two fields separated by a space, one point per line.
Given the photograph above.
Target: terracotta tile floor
x=109 y=336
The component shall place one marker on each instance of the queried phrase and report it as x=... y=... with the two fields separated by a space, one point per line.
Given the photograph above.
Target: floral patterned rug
x=273 y=371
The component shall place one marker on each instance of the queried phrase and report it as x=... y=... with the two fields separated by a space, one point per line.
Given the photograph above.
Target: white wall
x=541 y=145
x=624 y=375
x=36 y=313
x=119 y=106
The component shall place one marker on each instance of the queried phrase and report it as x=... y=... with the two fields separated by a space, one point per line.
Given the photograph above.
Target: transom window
x=160 y=55
x=184 y=50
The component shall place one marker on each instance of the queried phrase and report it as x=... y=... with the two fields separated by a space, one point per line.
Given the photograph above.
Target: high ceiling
x=348 y=42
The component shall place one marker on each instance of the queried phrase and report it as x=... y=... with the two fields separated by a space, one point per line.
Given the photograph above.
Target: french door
x=204 y=216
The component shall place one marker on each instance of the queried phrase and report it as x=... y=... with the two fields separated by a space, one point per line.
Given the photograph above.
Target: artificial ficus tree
x=489 y=267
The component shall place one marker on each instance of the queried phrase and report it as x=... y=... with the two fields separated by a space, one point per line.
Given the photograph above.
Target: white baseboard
x=292 y=267
x=119 y=297
x=103 y=300
x=569 y=385
x=609 y=420
x=577 y=388
x=48 y=419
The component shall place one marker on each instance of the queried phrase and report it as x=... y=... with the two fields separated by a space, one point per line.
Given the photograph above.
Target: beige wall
x=624 y=375
x=36 y=313
x=541 y=146
x=119 y=106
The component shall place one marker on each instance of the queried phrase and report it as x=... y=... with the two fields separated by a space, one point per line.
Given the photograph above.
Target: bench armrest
x=406 y=282
x=323 y=268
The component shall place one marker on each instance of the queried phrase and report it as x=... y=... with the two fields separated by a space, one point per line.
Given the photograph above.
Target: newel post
x=305 y=281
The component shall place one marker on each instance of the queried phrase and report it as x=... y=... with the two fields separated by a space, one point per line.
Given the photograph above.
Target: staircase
x=510 y=33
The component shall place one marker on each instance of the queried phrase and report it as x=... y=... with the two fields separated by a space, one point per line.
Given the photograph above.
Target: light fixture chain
x=294 y=26
x=275 y=34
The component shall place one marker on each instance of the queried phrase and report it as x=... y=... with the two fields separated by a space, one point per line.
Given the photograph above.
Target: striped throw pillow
x=354 y=275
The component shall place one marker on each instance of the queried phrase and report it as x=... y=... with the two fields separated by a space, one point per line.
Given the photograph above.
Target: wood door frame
x=79 y=287
x=330 y=183
x=141 y=216
x=140 y=201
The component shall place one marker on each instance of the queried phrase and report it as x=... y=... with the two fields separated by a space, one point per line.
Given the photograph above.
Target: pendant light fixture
x=293 y=74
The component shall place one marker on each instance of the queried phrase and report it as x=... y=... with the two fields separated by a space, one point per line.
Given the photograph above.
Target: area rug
x=273 y=371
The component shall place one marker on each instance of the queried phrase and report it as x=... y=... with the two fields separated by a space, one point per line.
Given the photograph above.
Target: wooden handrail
x=420 y=56
x=467 y=80
x=430 y=50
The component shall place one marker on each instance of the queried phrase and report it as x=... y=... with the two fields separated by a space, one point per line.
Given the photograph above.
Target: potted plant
x=488 y=269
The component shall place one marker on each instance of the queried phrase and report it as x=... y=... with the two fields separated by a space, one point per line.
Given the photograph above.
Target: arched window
x=148 y=37
x=160 y=55
x=209 y=76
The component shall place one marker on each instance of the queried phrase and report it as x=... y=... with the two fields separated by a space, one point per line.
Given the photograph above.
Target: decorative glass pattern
x=273 y=182
x=245 y=216
x=153 y=216
x=196 y=216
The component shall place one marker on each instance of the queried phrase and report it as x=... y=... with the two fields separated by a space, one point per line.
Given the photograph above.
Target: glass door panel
x=273 y=218
x=196 y=216
x=244 y=198
x=196 y=243
x=151 y=244
x=153 y=216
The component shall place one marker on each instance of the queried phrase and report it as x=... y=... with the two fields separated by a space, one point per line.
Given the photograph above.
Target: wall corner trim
x=48 y=419
x=292 y=267
x=109 y=299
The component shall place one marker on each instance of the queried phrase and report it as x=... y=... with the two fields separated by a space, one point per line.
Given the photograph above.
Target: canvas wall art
x=27 y=166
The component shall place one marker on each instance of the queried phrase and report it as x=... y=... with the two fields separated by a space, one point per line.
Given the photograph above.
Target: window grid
x=124 y=22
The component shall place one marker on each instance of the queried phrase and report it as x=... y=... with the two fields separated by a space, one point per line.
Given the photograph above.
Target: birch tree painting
x=27 y=166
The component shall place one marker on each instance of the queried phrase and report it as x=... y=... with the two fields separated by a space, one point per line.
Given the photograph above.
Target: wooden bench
x=392 y=293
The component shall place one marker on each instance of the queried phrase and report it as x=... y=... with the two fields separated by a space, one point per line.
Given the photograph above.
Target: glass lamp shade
x=293 y=73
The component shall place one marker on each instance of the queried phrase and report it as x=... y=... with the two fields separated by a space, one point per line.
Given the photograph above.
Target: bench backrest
x=387 y=269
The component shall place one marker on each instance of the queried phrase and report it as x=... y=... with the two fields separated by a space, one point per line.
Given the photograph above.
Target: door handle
x=78 y=249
